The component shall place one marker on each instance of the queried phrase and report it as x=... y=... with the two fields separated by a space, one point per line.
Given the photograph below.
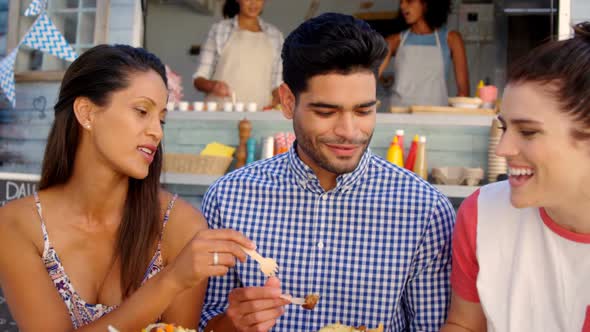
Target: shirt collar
x=263 y=25
x=304 y=175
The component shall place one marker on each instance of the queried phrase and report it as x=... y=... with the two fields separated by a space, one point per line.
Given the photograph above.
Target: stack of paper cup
x=268 y=149
x=290 y=139
x=496 y=165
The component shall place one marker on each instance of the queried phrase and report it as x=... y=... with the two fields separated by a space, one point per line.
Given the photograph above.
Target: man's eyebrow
x=334 y=106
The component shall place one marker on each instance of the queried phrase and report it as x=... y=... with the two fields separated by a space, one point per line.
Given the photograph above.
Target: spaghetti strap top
x=81 y=312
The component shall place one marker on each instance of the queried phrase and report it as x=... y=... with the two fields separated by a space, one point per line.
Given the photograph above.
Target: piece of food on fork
x=309 y=302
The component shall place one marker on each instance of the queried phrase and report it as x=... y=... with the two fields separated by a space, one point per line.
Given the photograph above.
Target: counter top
x=207 y=180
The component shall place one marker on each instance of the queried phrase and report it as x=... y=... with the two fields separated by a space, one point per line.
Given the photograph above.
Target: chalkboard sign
x=9 y=190
x=7 y=324
x=13 y=189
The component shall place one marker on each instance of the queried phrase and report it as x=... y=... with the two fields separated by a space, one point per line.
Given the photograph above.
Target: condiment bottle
x=411 y=159
x=400 y=140
x=394 y=153
x=421 y=167
x=245 y=128
x=251 y=150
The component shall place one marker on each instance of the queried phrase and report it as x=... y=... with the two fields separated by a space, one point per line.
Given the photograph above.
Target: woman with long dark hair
x=521 y=247
x=242 y=56
x=101 y=243
x=424 y=53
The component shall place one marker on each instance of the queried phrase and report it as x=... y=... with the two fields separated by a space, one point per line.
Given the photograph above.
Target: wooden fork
x=268 y=266
x=293 y=300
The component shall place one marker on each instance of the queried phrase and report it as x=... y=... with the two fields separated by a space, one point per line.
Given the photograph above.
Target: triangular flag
x=36 y=7
x=45 y=37
x=7 y=76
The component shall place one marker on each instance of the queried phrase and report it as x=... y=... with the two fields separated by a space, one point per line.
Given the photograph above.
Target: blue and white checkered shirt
x=377 y=247
x=218 y=38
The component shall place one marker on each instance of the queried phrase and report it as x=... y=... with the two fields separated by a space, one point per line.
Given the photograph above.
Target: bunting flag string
x=36 y=7
x=45 y=37
x=7 y=76
x=42 y=36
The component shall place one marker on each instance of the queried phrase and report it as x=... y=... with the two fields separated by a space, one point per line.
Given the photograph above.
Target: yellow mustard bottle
x=395 y=153
x=420 y=166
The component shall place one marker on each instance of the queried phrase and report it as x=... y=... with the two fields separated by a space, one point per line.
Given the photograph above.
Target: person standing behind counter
x=242 y=55
x=423 y=55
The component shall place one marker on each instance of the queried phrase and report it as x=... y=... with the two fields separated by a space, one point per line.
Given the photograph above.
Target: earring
x=87 y=126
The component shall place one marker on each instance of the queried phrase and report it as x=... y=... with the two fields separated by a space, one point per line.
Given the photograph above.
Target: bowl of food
x=158 y=327
x=465 y=102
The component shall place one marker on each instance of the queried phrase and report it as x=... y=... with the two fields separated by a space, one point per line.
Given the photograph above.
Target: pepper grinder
x=244 y=127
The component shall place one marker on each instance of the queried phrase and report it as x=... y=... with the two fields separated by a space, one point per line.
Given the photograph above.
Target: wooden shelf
x=445 y=120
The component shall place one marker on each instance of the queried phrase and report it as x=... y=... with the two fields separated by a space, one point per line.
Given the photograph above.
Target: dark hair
x=96 y=74
x=564 y=68
x=330 y=43
x=231 y=8
x=436 y=14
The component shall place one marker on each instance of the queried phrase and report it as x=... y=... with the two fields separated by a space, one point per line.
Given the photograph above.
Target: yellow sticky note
x=218 y=149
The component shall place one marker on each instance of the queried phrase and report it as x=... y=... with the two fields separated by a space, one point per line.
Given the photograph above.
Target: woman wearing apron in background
x=242 y=55
x=423 y=55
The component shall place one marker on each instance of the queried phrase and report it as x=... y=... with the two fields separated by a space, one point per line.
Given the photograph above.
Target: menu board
x=9 y=190
x=7 y=324
x=13 y=189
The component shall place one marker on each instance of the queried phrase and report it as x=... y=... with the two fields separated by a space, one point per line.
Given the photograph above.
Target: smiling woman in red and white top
x=521 y=247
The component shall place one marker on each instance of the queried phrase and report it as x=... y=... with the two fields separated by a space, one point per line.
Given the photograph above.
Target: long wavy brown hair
x=96 y=74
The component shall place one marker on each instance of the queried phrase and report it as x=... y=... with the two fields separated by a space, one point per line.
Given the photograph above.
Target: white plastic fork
x=268 y=266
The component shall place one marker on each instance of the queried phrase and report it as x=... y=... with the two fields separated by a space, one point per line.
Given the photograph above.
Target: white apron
x=419 y=73
x=245 y=65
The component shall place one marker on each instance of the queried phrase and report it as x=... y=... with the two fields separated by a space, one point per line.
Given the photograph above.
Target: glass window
x=75 y=19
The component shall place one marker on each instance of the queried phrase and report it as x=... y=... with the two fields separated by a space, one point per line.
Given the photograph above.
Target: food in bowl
x=343 y=328
x=162 y=327
x=158 y=327
x=465 y=102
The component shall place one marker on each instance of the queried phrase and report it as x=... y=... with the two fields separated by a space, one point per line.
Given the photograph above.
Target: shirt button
x=324 y=197
x=321 y=245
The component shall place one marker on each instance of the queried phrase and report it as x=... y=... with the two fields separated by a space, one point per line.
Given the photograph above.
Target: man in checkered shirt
x=372 y=239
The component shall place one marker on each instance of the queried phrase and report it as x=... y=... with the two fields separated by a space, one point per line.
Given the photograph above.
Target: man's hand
x=256 y=308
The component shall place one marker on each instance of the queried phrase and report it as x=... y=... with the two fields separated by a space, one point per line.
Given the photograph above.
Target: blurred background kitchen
x=494 y=32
